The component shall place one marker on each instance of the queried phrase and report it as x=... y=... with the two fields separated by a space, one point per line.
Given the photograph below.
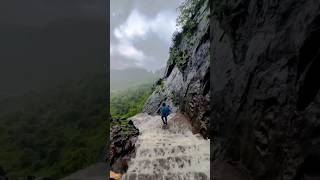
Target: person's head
x=163 y=104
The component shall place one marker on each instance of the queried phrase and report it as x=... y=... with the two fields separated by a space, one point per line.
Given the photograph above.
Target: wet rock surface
x=123 y=136
x=265 y=87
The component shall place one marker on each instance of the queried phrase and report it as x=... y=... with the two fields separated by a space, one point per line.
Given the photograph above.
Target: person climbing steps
x=165 y=110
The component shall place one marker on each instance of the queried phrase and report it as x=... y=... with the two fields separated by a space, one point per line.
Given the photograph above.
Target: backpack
x=169 y=110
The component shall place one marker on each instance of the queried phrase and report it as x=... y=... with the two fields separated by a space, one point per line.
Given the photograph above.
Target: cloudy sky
x=140 y=32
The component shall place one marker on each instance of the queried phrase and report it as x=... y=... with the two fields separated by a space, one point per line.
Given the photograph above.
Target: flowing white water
x=173 y=153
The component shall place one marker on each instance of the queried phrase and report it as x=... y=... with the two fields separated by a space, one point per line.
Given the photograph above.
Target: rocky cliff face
x=265 y=87
x=186 y=84
x=123 y=136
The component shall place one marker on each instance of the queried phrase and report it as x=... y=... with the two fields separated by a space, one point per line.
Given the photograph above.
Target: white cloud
x=138 y=25
x=164 y=25
x=135 y=26
x=129 y=51
x=132 y=39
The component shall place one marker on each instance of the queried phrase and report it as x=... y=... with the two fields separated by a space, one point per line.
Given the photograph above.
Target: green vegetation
x=185 y=20
x=178 y=58
x=53 y=134
x=127 y=103
x=176 y=39
x=162 y=84
x=187 y=10
x=126 y=129
x=189 y=28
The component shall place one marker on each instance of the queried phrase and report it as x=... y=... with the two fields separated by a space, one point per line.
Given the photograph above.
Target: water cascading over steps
x=172 y=153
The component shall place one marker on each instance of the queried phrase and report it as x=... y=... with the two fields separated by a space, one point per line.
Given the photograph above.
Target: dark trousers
x=164 y=119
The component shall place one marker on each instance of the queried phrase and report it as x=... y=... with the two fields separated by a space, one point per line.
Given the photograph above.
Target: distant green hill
x=55 y=134
x=131 y=77
x=129 y=102
x=53 y=97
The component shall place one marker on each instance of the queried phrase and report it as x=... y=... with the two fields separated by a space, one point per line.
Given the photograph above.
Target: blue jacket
x=165 y=110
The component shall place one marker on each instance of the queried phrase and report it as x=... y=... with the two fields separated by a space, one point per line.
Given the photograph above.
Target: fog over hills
x=53 y=93
x=131 y=77
x=37 y=57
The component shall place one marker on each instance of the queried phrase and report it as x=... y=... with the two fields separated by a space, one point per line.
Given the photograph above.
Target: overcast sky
x=140 y=32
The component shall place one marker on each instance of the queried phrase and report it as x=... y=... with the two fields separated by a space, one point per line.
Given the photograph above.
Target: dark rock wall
x=123 y=136
x=265 y=86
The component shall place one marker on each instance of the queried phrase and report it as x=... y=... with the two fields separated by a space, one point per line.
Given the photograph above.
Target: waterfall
x=172 y=153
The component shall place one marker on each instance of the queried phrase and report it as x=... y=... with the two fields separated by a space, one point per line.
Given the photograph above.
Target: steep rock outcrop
x=265 y=87
x=123 y=136
x=185 y=84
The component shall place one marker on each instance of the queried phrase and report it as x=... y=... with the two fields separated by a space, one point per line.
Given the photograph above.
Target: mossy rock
x=178 y=58
x=126 y=127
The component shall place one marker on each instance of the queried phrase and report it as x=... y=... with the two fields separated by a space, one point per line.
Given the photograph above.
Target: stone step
x=163 y=164
x=169 y=143
x=174 y=153
x=169 y=176
x=172 y=150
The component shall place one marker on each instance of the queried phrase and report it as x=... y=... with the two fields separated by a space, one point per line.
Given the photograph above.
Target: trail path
x=174 y=153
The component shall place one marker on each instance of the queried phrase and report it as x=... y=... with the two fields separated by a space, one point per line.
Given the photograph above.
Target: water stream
x=172 y=153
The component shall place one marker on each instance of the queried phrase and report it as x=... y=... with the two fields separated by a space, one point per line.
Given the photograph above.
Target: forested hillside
x=52 y=134
x=53 y=93
x=130 y=101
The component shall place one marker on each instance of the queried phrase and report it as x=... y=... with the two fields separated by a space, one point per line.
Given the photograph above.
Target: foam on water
x=168 y=154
